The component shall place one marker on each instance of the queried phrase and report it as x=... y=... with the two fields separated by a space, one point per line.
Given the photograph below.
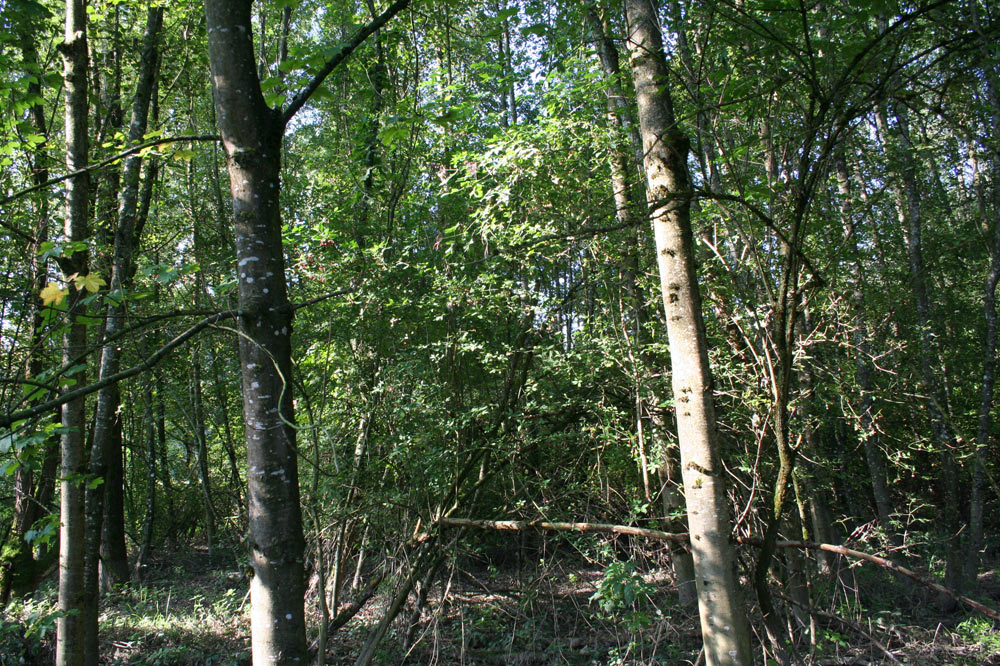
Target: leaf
x=90 y=282
x=537 y=29
x=507 y=13
x=274 y=100
x=53 y=294
x=322 y=94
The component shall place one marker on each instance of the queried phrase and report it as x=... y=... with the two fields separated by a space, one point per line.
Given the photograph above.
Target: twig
x=146 y=364
x=843 y=621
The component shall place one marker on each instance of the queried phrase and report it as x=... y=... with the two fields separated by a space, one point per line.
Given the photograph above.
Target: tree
x=252 y=135
x=71 y=623
x=724 y=628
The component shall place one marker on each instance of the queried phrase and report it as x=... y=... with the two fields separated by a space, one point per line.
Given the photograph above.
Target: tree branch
x=340 y=56
x=657 y=535
x=6 y=420
x=100 y=165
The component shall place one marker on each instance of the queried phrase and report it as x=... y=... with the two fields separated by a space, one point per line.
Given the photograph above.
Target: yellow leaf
x=53 y=294
x=91 y=283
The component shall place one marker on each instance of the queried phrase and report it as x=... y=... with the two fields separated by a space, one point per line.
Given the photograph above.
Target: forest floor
x=194 y=612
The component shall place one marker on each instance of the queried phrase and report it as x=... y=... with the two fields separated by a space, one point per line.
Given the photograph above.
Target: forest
x=534 y=332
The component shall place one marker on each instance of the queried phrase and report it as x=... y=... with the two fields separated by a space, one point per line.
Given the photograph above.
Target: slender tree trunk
x=149 y=431
x=202 y=442
x=863 y=366
x=107 y=445
x=252 y=136
x=625 y=211
x=723 y=618
x=977 y=497
x=160 y=419
x=222 y=399
x=70 y=623
x=18 y=568
x=114 y=556
x=910 y=212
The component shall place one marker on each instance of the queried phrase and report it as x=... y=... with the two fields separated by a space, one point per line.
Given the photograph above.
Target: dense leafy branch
x=344 y=50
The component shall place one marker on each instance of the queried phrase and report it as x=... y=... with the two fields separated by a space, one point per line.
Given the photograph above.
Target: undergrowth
x=192 y=611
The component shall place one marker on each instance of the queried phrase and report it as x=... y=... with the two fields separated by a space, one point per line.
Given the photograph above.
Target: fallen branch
x=521 y=525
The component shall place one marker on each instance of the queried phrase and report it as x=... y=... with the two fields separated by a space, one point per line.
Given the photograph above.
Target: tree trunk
x=252 y=135
x=18 y=568
x=149 y=431
x=909 y=208
x=70 y=623
x=106 y=450
x=985 y=422
x=723 y=618
x=114 y=556
x=202 y=441
x=625 y=213
x=867 y=432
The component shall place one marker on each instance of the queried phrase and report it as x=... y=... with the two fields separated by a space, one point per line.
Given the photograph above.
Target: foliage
x=476 y=331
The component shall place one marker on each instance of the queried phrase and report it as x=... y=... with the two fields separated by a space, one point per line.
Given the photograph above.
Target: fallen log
x=683 y=537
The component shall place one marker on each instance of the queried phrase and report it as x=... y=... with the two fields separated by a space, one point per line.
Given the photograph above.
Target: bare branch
x=6 y=420
x=100 y=165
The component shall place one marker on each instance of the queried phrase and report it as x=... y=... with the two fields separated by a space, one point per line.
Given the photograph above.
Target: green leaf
x=274 y=100
x=507 y=13
x=540 y=29
x=323 y=94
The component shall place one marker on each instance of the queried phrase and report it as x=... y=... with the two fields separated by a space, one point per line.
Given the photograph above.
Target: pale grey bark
x=723 y=618
x=70 y=623
x=647 y=402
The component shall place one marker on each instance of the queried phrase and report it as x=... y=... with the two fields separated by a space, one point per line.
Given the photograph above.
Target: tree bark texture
x=647 y=402
x=106 y=451
x=252 y=134
x=70 y=623
x=723 y=620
